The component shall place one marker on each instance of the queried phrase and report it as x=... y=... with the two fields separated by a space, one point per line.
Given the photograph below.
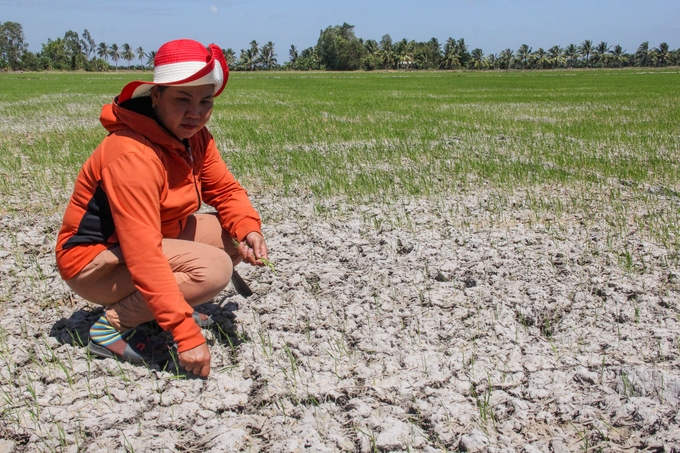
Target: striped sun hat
x=183 y=62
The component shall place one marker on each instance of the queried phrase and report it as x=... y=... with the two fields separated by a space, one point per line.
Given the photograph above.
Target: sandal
x=135 y=351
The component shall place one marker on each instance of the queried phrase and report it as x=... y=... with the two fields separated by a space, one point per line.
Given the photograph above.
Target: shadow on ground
x=75 y=329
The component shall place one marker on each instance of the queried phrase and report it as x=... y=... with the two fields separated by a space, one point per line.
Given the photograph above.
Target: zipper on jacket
x=193 y=175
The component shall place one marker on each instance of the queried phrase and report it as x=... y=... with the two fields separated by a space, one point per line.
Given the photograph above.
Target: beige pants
x=197 y=257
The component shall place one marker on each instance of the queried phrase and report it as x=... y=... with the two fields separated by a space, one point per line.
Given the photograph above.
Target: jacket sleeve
x=221 y=191
x=134 y=183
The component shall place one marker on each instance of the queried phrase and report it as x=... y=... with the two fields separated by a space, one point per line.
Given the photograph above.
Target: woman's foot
x=106 y=341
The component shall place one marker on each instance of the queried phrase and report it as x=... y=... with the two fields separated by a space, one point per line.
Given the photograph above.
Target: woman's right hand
x=196 y=360
x=252 y=248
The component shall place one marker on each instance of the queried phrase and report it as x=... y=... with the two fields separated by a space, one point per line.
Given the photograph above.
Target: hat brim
x=215 y=73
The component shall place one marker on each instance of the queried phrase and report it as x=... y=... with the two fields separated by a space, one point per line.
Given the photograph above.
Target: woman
x=131 y=240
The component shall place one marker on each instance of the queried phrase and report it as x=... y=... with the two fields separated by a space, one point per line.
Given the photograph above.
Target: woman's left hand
x=253 y=248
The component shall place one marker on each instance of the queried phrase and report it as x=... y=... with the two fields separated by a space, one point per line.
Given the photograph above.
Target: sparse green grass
x=381 y=136
x=593 y=148
x=384 y=134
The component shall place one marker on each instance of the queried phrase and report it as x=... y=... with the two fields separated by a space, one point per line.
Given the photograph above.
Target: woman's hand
x=253 y=248
x=196 y=360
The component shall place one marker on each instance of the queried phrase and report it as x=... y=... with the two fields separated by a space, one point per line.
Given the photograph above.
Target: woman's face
x=183 y=110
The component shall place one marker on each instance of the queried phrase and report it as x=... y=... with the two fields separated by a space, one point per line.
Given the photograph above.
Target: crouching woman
x=131 y=239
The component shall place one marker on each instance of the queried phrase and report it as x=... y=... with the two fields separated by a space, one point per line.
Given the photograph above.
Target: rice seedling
x=265 y=261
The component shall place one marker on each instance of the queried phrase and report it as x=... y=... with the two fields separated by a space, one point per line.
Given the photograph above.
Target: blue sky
x=491 y=25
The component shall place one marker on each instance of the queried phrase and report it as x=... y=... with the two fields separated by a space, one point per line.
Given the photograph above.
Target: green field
x=379 y=137
x=456 y=252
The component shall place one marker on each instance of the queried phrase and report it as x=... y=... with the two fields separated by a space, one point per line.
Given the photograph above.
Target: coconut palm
x=462 y=50
x=254 y=49
x=267 y=56
x=404 y=50
x=674 y=57
x=127 y=54
x=601 y=54
x=434 y=53
x=293 y=54
x=248 y=59
x=114 y=53
x=386 y=52
x=309 y=58
x=478 y=59
x=506 y=58
x=492 y=61
x=540 y=59
x=451 y=57
x=103 y=51
x=617 y=56
x=141 y=54
x=229 y=55
x=586 y=50
x=662 y=53
x=643 y=55
x=150 y=57
x=522 y=55
x=570 y=54
x=556 y=56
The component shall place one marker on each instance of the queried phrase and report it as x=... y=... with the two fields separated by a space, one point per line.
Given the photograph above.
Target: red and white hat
x=183 y=62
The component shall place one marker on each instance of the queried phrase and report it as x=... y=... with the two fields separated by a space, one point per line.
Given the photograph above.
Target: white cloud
x=213 y=9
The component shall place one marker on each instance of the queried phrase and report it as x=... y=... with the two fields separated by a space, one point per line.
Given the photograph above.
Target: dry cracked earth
x=456 y=325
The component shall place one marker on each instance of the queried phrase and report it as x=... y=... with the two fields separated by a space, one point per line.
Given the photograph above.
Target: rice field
x=466 y=261
x=382 y=136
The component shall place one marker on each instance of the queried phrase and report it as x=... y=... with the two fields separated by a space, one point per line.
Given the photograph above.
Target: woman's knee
x=207 y=281
x=219 y=269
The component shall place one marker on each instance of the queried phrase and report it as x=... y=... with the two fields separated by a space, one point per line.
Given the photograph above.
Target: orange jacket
x=138 y=187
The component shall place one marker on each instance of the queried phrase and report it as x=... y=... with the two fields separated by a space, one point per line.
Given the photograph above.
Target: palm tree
x=229 y=55
x=267 y=55
x=462 y=50
x=150 y=58
x=141 y=54
x=386 y=52
x=309 y=58
x=570 y=54
x=103 y=52
x=248 y=60
x=127 y=54
x=451 y=57
x=371 y=46
x=601 y=54
x=506 y=58
x=492 y=61
x=585 y=50
x=404 y=52
x=662 y=54
x=556 y=56
x=540 y=59
x=434 y=50
x=478 y=59
x=674 y=57
x=114 y=53
x=254 y=50
x=617 y=56
x=643 y=55
x=293 y=54
x=522 y=55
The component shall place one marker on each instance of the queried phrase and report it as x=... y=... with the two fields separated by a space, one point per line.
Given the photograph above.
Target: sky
x=491 y=25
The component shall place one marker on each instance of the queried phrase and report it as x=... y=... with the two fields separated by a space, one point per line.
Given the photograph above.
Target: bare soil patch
x=403 y=329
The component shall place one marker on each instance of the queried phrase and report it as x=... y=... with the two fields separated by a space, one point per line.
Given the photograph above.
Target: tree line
x=338 y=49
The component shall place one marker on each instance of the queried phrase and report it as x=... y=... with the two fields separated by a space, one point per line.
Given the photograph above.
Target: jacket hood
x=137 y=115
